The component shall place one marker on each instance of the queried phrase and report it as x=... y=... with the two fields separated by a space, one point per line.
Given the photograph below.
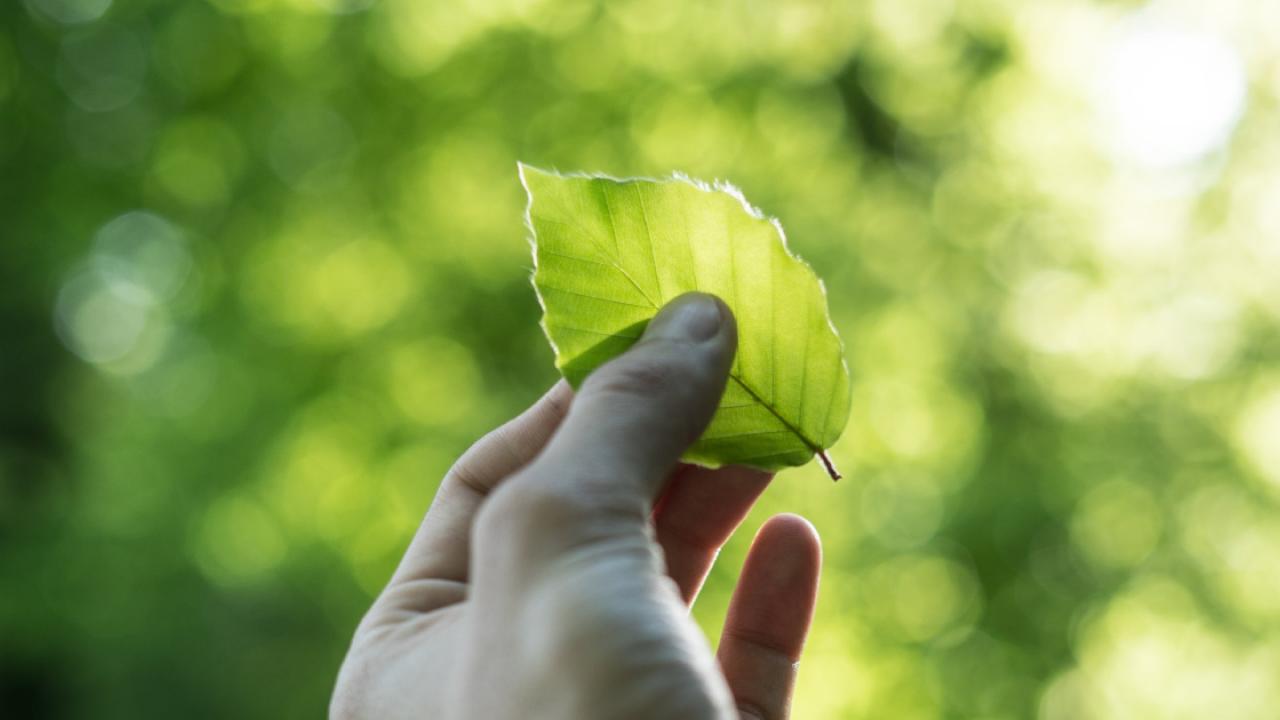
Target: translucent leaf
x=609 y=253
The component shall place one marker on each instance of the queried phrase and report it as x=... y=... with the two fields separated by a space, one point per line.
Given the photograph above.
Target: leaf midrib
x=772 y=411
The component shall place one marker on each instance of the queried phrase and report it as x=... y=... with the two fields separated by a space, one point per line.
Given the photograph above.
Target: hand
x=551 y=577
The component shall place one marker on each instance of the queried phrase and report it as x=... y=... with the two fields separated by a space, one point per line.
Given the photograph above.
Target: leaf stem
x=830 y=466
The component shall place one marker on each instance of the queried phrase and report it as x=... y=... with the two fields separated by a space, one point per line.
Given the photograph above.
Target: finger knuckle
x=532 y=516
x=525 y=507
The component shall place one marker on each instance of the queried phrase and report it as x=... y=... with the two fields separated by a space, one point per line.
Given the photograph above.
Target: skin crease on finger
x=561 y=592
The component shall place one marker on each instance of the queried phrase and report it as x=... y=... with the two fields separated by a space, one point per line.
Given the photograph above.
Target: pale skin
x=553 y=574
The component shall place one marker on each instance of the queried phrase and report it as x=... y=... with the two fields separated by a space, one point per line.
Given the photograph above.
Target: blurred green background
x=265 y=275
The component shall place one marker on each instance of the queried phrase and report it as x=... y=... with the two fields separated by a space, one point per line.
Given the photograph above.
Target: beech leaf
x=609 y=253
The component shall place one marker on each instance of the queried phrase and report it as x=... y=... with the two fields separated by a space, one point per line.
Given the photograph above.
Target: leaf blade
x=609 y=253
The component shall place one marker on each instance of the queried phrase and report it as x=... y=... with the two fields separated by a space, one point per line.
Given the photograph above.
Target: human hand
x=552 y=575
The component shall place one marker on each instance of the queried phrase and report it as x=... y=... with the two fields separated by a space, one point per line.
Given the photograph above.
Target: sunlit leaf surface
x=610 y=253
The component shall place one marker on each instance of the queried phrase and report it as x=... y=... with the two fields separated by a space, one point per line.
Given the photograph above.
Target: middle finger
x=696 y=514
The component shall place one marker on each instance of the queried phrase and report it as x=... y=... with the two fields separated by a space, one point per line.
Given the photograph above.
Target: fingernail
x=693 y=316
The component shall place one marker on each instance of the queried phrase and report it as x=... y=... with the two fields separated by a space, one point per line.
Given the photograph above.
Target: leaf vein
x=733 y=293
x=567 y=291
x=648 y=236
x=615 y=264
x=831 y=399
x=559 y=326
x=575 y=257
x=766 y=456
x=688 y=241
x=804 y=365
x=756 y=433
x=803 y=438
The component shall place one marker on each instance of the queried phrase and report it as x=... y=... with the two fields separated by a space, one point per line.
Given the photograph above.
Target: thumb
x=636 y=415
x=626 y=429
x=563 y=549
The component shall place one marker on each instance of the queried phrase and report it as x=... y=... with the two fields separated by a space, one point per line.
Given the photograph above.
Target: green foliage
x=609 y=253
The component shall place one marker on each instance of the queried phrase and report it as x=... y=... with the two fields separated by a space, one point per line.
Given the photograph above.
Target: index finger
x=697 y=513
x=440 y=549
x=631 y=421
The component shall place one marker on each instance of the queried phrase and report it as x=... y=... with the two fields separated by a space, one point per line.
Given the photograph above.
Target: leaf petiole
x=830 y=466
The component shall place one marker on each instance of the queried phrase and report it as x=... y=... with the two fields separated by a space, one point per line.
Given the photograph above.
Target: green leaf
x=609 y=253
